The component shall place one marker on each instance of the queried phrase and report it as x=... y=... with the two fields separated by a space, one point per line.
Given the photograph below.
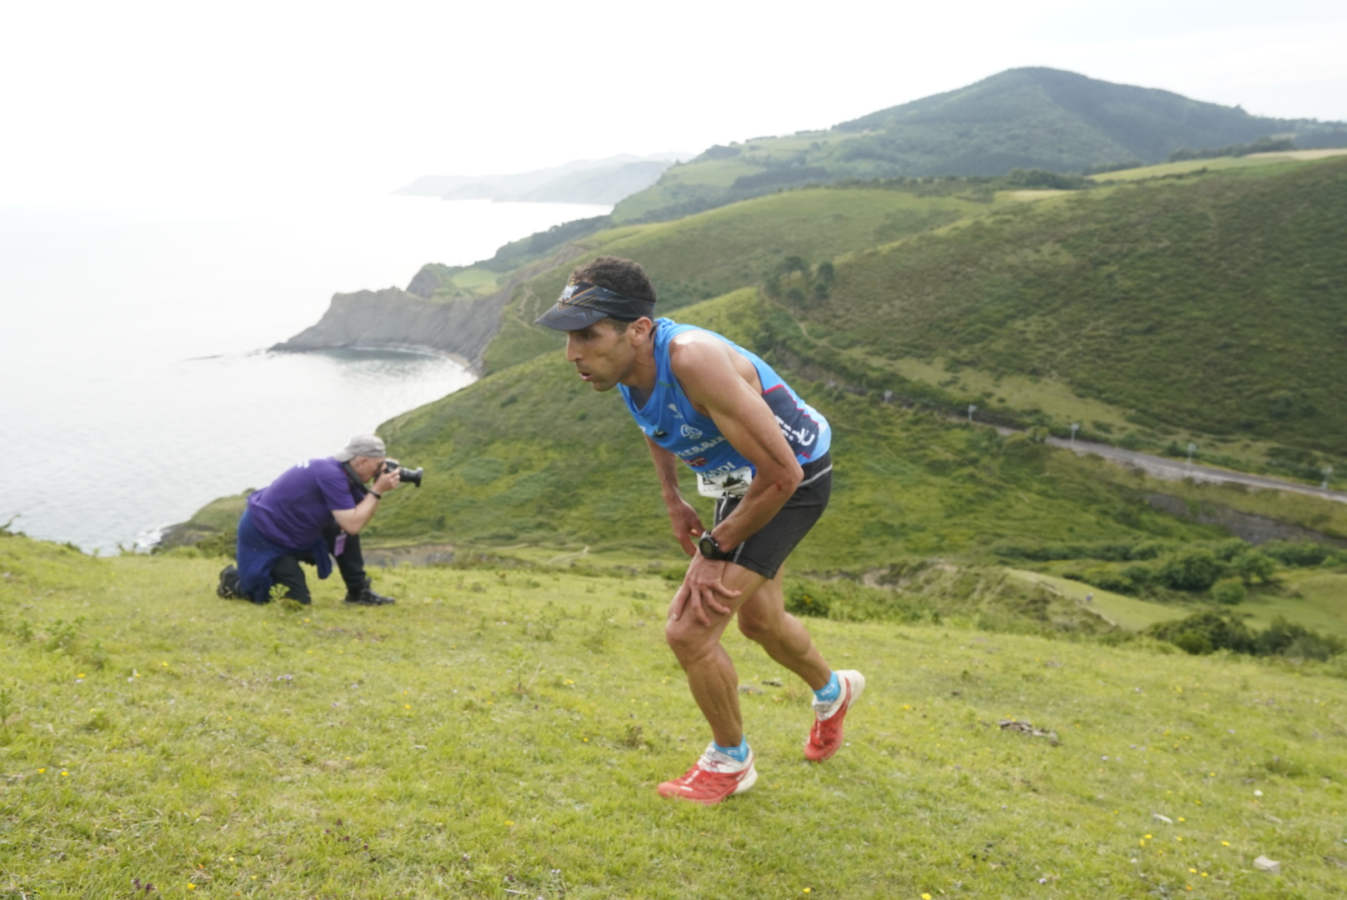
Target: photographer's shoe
x=367 y=597
x=229 y=583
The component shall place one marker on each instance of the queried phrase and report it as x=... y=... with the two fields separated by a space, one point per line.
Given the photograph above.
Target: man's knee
x=687 y=639
x=286 y=573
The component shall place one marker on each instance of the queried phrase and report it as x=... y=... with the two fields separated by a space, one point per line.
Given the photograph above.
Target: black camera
x=412 y=475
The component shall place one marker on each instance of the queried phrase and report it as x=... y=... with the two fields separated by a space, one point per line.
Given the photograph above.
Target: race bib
x=733 y=483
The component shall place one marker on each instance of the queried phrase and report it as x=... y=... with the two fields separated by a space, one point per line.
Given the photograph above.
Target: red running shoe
x=714 y=777
x=826 y=736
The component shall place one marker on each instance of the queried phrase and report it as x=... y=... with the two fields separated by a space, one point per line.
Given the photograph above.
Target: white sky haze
x=115 y=102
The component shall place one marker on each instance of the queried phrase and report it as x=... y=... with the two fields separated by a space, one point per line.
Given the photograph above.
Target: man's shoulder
x=699 y=351
x=312 y=471
x=328 y=471
x=694 y=341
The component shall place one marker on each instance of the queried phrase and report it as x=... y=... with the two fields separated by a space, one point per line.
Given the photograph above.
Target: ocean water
x=134 y=381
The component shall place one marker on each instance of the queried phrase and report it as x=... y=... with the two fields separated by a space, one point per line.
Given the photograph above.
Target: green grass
x=1151 y=299
x=1189 y=166
x=500 y=733
x=501 y=461
x=1312 y=598
x=1051 y=395
x=1141 y=307
x=735 y=247
x=1117 y=609
x=1138 y=309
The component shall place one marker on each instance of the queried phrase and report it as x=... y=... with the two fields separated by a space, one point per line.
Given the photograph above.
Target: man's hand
x=387 y=481
x=687 y=525
x=702 y=592
x=353 y=519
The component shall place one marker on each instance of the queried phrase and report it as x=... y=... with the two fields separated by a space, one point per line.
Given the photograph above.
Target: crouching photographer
x=313 y=512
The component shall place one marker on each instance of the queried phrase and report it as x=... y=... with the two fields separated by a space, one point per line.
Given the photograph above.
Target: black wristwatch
x=710 y=548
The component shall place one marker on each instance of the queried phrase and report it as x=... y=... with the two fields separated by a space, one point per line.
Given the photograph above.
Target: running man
x=756 y=447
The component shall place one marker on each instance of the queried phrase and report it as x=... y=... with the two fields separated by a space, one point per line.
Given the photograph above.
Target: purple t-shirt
x=294 y=509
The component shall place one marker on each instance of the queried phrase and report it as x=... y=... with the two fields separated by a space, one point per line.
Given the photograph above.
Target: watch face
x=709 y=548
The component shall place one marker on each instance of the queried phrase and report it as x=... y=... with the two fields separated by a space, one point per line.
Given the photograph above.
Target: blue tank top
x=669 y=419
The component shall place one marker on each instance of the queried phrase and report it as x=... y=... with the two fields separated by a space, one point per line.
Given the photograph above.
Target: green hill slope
x=1217 y=304
x=1195 y=306
x=500 y=733
x=529 y=454
x=715 y=252
x=1029 y=118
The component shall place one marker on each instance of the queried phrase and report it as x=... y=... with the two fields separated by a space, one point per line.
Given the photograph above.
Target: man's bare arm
x=712 y=381
x=356 y=518
x=687 y=525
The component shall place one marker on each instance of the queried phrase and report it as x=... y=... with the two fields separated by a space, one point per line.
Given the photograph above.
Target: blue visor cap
x=582 y=304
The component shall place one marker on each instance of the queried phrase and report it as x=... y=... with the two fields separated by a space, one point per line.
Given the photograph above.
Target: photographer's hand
x=387 y=481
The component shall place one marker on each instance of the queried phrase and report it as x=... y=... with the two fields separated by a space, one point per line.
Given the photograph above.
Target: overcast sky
x=112 y=100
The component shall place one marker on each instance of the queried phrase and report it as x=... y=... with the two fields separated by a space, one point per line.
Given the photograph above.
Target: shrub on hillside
x=1191 y=570
x=1297 y=554
x=1208 y=632
x=1251 y=565
x=1105 y=550
x=1283 y=638
x=1229 y=592
x=846 y=600
x=1228 y=550
x=1110 y=580
x=805 y=600
x=1149 y=550
x=1138 y=574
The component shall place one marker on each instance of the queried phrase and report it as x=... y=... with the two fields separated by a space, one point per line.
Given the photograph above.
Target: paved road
x=1177 y=470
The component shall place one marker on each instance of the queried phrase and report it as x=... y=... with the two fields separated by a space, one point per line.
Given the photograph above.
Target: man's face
x=366 y=467
x=601 y=354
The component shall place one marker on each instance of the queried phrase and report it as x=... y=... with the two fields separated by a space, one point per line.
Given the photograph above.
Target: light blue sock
x=738 y=754
x=830 y=691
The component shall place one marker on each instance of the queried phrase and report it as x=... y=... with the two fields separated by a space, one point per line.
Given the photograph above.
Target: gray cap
x=362 y=445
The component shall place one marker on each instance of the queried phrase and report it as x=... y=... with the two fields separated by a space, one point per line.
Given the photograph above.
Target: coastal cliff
x=394 y=319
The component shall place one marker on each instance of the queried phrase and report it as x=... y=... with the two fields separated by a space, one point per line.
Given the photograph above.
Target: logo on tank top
x=689 y=432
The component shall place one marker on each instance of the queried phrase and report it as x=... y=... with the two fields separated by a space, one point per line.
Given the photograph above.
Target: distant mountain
x=1029 y=118
x=583 y=181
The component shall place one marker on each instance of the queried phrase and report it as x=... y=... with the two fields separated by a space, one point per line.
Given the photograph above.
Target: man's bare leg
x=763 y=619
x=709 y=669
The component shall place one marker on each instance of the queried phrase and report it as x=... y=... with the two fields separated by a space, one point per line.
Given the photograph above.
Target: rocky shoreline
x=394 y=319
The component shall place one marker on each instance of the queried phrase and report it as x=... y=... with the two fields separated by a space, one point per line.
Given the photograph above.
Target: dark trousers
x=351 y=564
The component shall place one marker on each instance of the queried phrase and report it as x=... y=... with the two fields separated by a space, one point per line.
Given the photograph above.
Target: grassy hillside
x=1138 y=310
x=1211 y=303
x=532 y=454
x=1117 y=296
x=719 y=251
x=1029 y=118
x=499 y=733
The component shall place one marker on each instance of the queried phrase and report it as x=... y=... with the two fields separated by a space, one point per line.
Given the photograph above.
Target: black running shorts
x=766 y=550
